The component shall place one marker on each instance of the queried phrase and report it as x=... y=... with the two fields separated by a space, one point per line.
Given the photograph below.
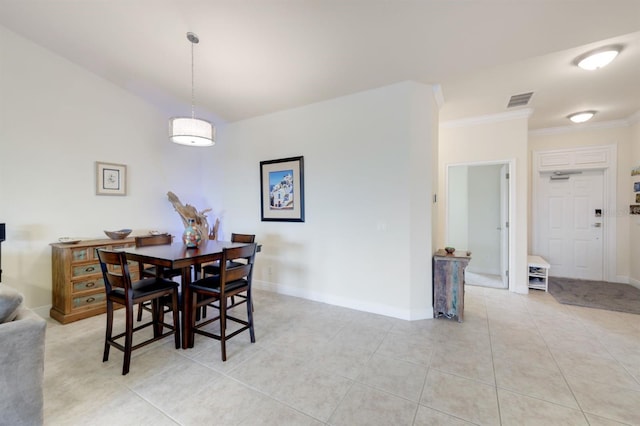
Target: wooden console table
x=448 y=284
x=78 y=287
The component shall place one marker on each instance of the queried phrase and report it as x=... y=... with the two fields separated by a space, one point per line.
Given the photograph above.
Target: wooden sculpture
x=188 y=211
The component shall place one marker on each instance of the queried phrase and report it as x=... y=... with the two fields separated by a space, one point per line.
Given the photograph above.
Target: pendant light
x=191 y=131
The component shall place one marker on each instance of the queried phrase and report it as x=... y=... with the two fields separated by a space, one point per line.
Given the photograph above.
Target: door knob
x=597 y=224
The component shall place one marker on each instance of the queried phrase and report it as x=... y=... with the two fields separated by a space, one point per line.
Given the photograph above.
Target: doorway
x=570 y=212
x=478 y=220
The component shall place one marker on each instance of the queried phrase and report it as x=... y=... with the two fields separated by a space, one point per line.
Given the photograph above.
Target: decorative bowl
x=118 y=235
x=450 y=250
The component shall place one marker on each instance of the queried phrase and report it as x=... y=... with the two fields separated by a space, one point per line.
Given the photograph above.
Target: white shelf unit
x=538 y=273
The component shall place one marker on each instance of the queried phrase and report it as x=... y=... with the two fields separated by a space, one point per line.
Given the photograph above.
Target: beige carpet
x=596 y=294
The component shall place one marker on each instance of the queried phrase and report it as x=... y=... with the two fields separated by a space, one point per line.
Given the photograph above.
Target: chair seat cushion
x=212 y=284
x=214 y=268
x=147 y=286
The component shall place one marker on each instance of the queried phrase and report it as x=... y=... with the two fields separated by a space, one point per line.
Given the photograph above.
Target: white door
x=504 y=225
x=570 y=232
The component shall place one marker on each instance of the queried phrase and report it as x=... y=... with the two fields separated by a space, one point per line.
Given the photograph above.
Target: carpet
x=596 y=294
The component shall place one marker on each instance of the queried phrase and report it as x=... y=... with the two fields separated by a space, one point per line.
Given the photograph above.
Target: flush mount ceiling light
x=598 y=58
x=582 y=116
x=191 y=131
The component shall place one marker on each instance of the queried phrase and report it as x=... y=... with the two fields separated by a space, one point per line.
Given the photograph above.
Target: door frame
x=511 y=164
x=603 y=157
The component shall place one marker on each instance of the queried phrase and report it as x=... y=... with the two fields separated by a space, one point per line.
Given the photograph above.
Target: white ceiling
x=261 y=56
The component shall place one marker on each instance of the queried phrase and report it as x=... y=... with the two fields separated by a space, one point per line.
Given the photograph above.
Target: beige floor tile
x=341 y=359
x=520 y=410
x=397 y=377
x=313 y=392
x=599 y=421
x=407 y=348
x=429 y=417
x=469 y=363
x=603 y=370
x=608 y=401
x=315 y=363
x=460 y=397
x=535 y=382
x=370 y=407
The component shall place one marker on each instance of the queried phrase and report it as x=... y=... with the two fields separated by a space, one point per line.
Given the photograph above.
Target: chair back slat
x=115 y=270
x=153 y=240
x=239 y=271
x=243 y=238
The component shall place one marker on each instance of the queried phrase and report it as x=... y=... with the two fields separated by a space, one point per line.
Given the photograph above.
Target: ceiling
x=261 y=56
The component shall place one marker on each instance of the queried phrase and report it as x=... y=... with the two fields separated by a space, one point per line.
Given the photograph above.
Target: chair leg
x=139 y=312
x=250 y=315
x=128 y=339
x=109 y=329
x=223 y=327
x=176 y=318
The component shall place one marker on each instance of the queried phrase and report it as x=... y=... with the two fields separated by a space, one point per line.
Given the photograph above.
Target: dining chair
x=234 y=279
x=121 y=290
x=148 y=271
x=214 y=268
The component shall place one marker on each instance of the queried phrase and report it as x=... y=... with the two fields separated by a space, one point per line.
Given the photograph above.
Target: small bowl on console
x=118 y=235
x=450 y=250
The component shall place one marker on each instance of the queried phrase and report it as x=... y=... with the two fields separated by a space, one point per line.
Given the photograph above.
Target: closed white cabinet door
x=570 y=216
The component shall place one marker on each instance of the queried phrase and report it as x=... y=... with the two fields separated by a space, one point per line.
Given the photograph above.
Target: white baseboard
x=358 y=305
x=42 y=311
x=634 y=282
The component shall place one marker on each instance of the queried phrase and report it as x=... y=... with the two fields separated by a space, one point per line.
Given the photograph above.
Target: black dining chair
x=148 y=271
x=214 y=268
x=121 y=290
x=234 y=279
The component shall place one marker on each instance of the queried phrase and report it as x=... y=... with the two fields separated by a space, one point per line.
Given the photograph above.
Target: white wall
x=493 y=140
x=369 y=169
x=621 y=136
x=56 y=120
x=366 y=241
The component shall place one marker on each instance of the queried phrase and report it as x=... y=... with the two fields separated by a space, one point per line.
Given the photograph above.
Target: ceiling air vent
x=519 y=100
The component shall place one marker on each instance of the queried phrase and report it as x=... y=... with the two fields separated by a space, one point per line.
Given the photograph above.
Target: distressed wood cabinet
x=77 y=283
x=448 y=284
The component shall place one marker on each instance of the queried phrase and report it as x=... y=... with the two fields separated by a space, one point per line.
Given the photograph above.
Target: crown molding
x=487 y=119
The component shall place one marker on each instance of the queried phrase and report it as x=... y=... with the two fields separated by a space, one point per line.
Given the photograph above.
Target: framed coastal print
x=111 y=179
x=282 y=190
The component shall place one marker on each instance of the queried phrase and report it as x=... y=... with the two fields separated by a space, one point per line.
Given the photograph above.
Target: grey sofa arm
x=21 y=369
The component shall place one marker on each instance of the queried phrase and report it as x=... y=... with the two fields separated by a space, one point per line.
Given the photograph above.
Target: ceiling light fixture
x=191 y=131
x=598 y=58
x=582 y=116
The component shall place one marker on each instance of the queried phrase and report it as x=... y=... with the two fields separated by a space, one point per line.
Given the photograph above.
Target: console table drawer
x=98 y=298
x=88 y=285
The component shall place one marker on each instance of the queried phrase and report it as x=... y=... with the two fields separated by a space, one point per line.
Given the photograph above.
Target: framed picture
x=111 y=179
x=282 y=189
x=634 y=209
x=636 y=187
x=635 y=171
x=637 y=198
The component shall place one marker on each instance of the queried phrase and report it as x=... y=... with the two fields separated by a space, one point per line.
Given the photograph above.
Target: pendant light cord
x=193 y=97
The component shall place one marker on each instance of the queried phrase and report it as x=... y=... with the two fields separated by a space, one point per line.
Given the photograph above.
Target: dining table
x=178 y=256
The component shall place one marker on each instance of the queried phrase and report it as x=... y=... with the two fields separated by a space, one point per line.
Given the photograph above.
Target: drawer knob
x=90 y=269
x=91 y=299
x=89 y=285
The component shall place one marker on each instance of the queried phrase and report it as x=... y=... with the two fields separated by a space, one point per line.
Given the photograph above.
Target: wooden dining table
x=177 y=255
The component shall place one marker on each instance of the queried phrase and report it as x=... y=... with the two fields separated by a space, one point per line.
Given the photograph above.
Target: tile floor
x=516 y=360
